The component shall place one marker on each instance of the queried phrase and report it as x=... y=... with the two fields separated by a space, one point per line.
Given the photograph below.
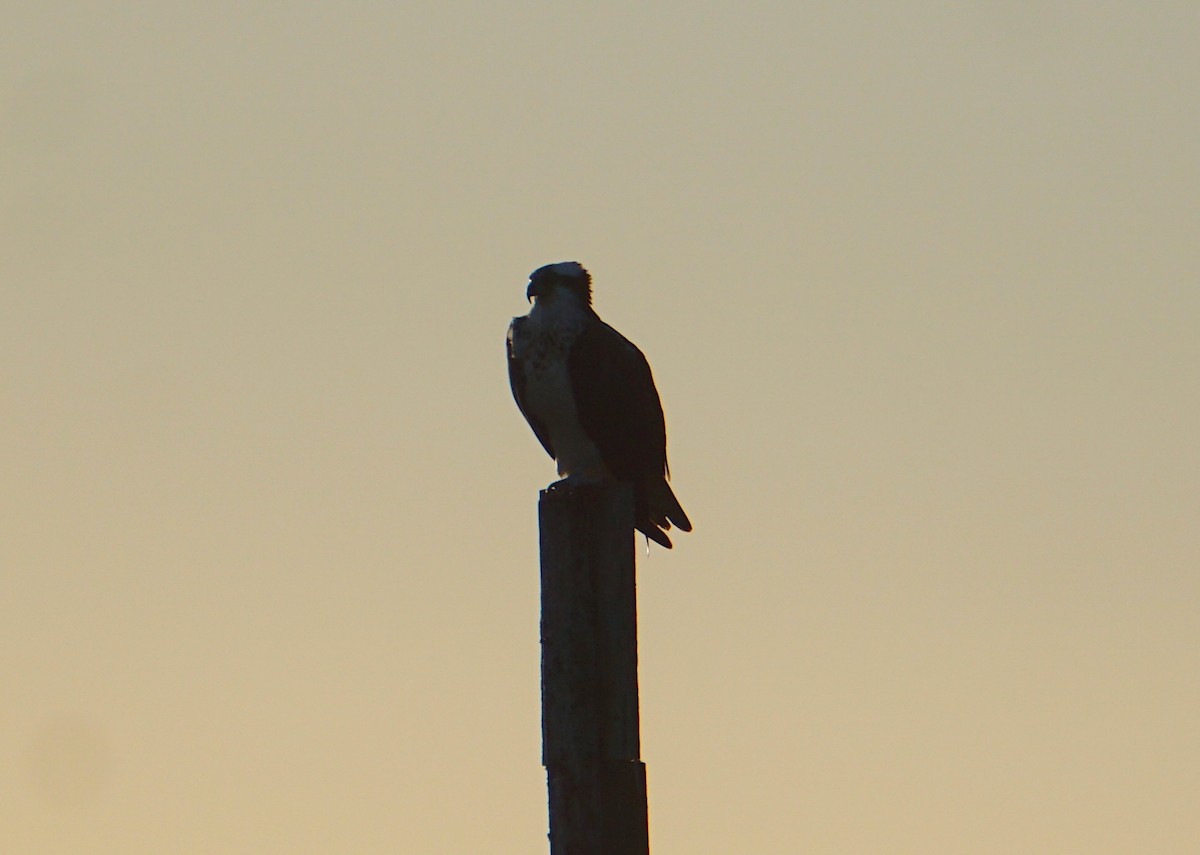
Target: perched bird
x=588 y=394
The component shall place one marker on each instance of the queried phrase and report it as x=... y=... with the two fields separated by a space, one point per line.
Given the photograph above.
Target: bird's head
x=567 y=277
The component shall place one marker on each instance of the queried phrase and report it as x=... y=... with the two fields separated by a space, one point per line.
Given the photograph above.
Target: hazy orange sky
x=920 y=285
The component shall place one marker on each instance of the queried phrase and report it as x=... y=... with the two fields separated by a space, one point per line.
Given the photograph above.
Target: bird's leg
x=576 y=479
x=570 y=482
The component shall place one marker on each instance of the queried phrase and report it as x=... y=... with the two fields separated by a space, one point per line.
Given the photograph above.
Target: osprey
x=588 y=394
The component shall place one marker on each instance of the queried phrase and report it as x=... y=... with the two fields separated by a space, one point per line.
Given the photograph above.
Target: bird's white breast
x=549 y=397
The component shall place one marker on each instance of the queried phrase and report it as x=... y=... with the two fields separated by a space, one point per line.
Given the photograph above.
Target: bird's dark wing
x=516 y=379
x=617 y=403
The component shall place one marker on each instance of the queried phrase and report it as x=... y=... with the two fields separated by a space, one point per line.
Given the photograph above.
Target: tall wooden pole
x=590 y=741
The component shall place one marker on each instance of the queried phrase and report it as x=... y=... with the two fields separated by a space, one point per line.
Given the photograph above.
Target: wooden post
x=590 y=740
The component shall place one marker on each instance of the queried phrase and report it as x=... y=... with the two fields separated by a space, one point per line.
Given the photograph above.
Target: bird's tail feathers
x=657 y=510
x=662 y=498
x=653 y=532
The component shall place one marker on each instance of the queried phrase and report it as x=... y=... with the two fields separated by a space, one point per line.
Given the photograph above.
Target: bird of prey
x=588 y=394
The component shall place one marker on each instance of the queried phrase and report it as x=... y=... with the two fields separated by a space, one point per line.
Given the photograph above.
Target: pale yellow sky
x=920 y=287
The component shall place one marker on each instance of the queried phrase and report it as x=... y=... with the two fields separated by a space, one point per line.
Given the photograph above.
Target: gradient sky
x=920 y=284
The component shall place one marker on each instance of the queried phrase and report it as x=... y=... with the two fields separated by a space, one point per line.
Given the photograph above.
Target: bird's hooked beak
x=532 y=291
